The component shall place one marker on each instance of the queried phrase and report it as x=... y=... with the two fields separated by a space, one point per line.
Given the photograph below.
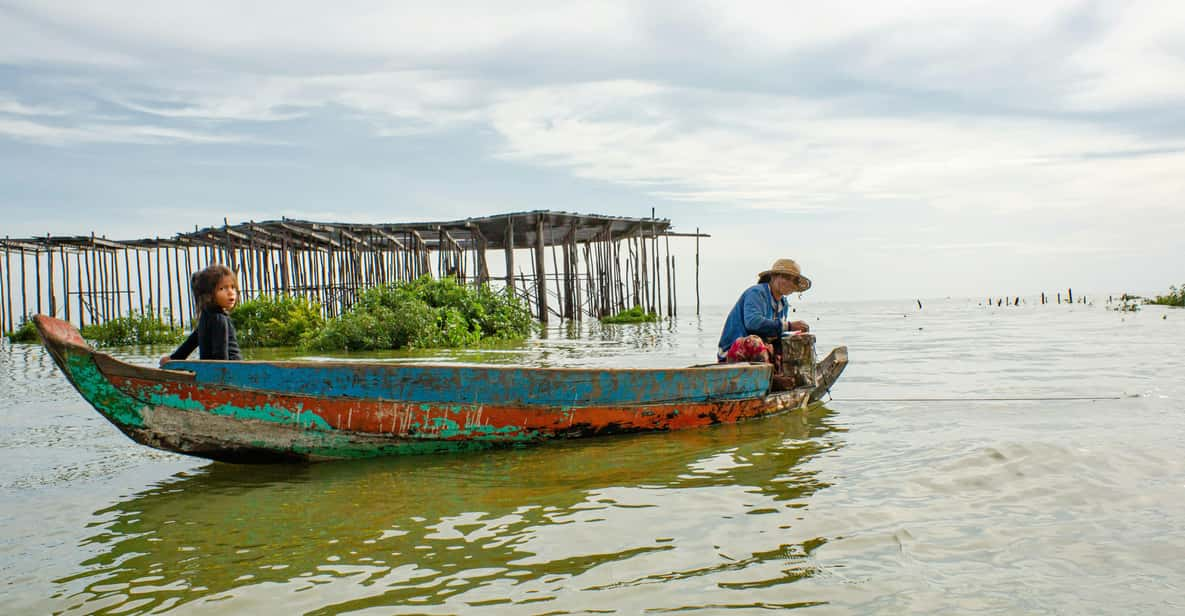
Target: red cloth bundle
x=749 y=348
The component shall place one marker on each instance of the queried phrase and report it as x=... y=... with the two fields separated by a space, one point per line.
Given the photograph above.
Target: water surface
x=973 y=460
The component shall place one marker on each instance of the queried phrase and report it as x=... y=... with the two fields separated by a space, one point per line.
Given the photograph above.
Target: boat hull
x=278 y=411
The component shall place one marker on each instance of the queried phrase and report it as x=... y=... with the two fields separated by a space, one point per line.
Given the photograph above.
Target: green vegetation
x=25 y=332
x=633 y=315
x=276 y=321
x=1175 y=297
x=423 y=313
x=138 y=328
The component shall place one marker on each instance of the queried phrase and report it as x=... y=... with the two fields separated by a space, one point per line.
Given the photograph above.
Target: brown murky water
x=996 y=493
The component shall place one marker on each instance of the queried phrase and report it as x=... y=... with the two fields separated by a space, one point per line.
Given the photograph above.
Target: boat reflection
x=425 y=530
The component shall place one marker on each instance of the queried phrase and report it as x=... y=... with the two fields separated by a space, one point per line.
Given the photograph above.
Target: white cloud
x=790 y=154
x=27 y=130
x=1031 y=129
x=15 y=107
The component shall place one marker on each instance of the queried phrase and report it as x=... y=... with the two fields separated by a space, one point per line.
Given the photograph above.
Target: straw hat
x=789 y=268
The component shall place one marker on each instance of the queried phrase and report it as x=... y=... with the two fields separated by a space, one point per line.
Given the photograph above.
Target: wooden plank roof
x=463 y=233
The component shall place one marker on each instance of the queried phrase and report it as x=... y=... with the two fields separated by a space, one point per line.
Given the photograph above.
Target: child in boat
x=215 y=290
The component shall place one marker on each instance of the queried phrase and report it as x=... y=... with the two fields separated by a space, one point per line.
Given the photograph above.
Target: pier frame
x=600 y=265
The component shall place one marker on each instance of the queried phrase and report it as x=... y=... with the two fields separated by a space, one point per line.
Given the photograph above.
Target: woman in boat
x=216 y=290
x=762 y=312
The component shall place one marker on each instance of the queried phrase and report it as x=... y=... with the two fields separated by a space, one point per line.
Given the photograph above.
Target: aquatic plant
x=632 y=315
x=274 y=321
x=1175 y=297
x=25 y=332
x=140 y=327
x=424 y=313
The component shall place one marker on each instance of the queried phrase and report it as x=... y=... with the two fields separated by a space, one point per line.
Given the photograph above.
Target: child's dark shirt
x=214 y=337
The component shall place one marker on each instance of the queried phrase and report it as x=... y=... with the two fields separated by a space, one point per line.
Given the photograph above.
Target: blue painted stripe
x=487 y=385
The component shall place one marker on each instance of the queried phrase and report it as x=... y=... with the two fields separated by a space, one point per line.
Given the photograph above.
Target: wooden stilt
x=65 y=282
x=37 y=277
x=159 y=297
x=181 y=312
x=697 y=271
x=53 y=303
x=169 y=282
x=540 y=270
x=127 y=279
x=670 y=289
x=140 y=283
x=82 y=305
x=6 y=324
x=508 y=250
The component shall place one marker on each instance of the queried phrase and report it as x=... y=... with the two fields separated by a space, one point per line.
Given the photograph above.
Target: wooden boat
x=263 y=411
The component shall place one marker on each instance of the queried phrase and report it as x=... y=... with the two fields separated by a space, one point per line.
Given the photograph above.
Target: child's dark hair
x=205 y=282
x=764 y=278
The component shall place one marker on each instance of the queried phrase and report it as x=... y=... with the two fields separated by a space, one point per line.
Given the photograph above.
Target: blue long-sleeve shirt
x=756 y=312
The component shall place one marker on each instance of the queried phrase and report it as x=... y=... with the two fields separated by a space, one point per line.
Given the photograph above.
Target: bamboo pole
x=569 y=287
x=140 y=282
x=697 y=271
x=618 y=279
x=104 y=296
x=540 y=270
x=92 y=308
x=180 y=288
x=169 y=282
x=81 y=298
x=588 y=279
x=127 y=278
x=107 y=267
x=230 y=254
x=284 y=280
x=674 y=289
x=53 y=303
x=116 y=311
x=192 y=311
x=657 y=266
x=670 y=289
x=508 y=248
x=644 y=269
x=37 y=276
x=65 y=281
x=7 y=325
x=158 y=297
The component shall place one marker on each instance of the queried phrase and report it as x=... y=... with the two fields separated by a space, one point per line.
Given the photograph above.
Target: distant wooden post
x=169 y=281
x=8 y=286
x=670 y=286
x=180 y=287
x=1070 y=295
x=480 y=247
x=53 y=303
x=81 y=297
x=37 y=276
x=697 y=270
x=159 y=297
x=127 y=278
x=65 y=283
x=139 y=283
x=540 y=270
x=508 y=250
x=569 y=286
x=230 y=254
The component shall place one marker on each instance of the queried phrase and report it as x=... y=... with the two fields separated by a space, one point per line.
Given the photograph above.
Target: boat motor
x=795 y=361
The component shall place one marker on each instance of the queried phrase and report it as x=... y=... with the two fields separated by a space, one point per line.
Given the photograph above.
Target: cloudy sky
x=896 y=150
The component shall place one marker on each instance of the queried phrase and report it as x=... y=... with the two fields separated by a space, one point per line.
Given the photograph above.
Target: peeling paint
x=251 y=411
